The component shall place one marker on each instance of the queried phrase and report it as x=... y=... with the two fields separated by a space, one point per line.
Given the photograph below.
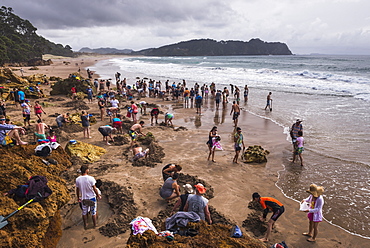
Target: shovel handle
x=16 y=211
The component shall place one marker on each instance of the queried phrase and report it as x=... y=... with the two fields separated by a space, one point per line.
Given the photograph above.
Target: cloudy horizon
x=317 y=26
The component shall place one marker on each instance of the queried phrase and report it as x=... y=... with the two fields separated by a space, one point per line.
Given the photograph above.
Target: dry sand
x=233 y=184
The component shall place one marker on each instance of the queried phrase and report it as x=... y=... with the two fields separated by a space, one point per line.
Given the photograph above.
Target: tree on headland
x=19 y=41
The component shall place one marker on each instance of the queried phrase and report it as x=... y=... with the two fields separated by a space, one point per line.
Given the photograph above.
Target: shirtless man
x=135 y=130
x=236 y=109
x=139 y=153
x=269 y=100
x=40 y=130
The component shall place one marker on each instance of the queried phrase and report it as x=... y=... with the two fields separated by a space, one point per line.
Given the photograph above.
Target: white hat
x=188 y=188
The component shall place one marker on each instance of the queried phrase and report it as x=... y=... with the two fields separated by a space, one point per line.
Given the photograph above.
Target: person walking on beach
x=85 y=120
x=199 y=204
x=236 y=109
x=186 y=98
x=26 y=111
x=269 y=204
x=170 y=188
x=269 y=100
x=297 y=126
x=316 y=202
x=218 y=98
x=87 y=194
x=238 y=144
x=299 y=150
x=246 y=93
x=198 y=103
x=212 y=139
x=38 y=110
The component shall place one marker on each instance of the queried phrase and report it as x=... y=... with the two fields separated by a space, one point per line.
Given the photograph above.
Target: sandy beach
x=233 y=184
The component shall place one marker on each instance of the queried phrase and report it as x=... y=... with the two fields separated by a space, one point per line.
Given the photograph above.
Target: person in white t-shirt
x=87 y=194
x=114 y=103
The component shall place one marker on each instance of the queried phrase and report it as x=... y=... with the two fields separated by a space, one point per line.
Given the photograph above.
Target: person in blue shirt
x=198 y=103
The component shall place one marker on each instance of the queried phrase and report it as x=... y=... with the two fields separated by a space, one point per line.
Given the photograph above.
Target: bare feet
x=311 y=240
x=213 y=161
x=263 y=240
x=306 y=234
x=23 y=143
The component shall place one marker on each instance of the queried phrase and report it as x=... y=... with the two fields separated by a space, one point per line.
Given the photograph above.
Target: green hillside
x=20 y=43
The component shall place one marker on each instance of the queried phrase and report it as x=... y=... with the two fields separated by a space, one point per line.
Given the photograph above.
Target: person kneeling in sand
x=107 y=131
x=170 y=188
x=198 y=203
x=269 y=203
x=8 y=132
x=139 y=153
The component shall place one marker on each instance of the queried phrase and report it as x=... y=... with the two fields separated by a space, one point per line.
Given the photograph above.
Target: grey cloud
x=62 y=14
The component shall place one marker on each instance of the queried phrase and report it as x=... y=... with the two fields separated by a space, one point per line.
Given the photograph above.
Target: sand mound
x=253 y=223
x=123 y=206
x=76 y=105
x=216 y=235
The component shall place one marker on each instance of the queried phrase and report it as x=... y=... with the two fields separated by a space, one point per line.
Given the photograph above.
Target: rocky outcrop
x=38 y=224
x=87 y=152
x=63 y=87
x=255 y=154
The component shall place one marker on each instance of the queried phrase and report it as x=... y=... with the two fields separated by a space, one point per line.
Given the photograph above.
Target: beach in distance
x=329 y=93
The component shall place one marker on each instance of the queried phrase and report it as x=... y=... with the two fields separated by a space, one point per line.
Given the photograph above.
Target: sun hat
x=201 y=189
x=188 y=188
x=315 y=190
x=298 y=120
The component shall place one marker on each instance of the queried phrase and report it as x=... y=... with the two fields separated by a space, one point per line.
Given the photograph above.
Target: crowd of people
x=110 y=105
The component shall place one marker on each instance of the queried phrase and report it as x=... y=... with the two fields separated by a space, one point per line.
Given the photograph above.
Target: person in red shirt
x=269 y=203
x=73 y=92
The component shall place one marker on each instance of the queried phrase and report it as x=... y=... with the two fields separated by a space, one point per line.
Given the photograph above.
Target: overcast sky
x=311 y=26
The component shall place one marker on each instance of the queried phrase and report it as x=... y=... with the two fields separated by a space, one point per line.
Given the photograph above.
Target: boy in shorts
x=269 y=203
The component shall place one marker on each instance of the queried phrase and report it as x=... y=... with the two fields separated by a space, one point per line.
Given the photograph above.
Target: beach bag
x=236 y=232
x=43 y=150
x=38 y=187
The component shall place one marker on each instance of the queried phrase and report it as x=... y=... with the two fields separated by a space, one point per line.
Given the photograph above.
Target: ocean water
x=330 y=93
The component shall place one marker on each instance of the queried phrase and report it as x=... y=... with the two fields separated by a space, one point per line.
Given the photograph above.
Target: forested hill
x=20 y=43
x=208 y=47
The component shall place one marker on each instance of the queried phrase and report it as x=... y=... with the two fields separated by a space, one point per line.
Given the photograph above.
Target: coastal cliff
x=208 y=47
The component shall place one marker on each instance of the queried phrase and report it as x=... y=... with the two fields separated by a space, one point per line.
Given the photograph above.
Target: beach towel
x=141 y=224
x=216 y=144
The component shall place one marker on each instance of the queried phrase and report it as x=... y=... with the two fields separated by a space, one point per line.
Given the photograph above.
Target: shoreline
x=278 y=146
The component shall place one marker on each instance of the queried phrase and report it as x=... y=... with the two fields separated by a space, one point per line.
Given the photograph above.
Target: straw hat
x=315 y=190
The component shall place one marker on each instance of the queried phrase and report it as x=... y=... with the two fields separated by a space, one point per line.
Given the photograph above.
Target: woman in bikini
x=38 y=110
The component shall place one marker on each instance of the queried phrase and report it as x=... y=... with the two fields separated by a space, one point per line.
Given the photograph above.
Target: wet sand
x=233 y=184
